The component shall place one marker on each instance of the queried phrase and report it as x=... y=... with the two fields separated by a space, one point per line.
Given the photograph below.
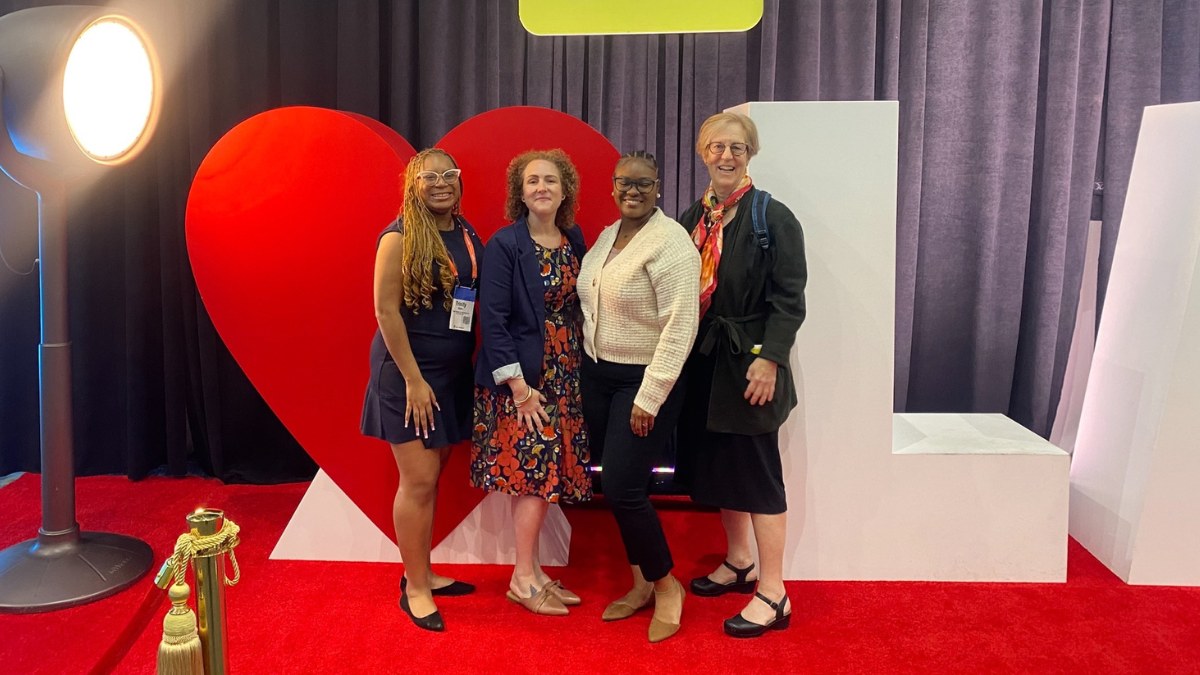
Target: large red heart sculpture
x=282 y=221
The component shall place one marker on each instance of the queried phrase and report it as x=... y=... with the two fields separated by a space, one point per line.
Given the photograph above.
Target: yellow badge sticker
x=606 y=17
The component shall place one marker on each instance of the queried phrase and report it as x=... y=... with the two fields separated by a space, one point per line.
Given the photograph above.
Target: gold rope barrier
x=188 y=643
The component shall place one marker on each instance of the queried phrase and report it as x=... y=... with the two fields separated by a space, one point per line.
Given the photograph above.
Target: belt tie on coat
x=731 y=327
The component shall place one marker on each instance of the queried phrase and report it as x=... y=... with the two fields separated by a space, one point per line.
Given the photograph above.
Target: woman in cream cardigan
x=639 y=290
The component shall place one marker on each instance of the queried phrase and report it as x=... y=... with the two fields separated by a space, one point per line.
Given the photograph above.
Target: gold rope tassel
x=179 y=651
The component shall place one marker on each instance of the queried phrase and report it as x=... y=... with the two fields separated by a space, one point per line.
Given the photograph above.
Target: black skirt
x=730 y=471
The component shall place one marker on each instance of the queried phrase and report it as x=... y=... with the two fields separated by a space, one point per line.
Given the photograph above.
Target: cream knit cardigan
x=643 y=306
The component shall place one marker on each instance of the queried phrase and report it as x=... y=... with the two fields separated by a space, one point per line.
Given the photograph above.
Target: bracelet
x=528 y=395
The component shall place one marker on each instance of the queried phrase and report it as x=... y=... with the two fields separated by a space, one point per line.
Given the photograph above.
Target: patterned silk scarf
x=709 y=237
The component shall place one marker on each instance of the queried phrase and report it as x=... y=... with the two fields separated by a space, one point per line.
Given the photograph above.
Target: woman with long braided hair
x=419 y=398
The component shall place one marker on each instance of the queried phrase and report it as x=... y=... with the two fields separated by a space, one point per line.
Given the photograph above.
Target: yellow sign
x=609 y=17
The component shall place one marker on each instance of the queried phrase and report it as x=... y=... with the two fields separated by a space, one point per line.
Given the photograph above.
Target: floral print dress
x=552 y=462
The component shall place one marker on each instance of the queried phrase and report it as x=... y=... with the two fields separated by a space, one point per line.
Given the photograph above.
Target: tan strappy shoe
x=543 y=602
x=565 y=595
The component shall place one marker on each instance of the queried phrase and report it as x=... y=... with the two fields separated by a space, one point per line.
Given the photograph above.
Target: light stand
x=62 y=567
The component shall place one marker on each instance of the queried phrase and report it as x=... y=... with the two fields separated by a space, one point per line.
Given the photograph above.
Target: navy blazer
x=512 y=304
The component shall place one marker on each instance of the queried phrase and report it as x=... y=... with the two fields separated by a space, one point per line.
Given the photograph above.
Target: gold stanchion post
x=210 y=591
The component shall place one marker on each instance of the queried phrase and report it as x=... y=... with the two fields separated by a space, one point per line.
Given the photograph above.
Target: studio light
x=79 y=87
x=108 y=90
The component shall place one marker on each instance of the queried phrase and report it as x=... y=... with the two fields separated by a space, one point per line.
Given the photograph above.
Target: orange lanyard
x=471 y=252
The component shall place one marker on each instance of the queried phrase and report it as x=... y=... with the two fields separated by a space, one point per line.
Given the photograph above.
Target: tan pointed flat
x=543 y=602
x=565 y=595
x=627 y=606
x=661 y=630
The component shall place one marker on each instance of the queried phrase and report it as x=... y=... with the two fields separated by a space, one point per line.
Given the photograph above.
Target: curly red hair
x=514 y=208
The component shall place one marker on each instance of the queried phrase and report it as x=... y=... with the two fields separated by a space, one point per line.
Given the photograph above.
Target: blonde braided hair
x=422 y=243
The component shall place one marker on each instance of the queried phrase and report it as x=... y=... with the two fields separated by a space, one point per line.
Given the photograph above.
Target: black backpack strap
x=758 y=218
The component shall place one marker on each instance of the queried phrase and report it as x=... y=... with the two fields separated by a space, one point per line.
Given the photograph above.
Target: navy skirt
x=450 y=375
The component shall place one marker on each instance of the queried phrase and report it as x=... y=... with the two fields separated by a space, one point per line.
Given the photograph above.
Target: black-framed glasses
x=718 y=149
x=643 y=185
x=449 y=176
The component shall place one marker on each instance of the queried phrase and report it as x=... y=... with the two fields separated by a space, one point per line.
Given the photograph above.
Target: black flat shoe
x=431 y=622
x=739 y=626
x=456 y=588
x=709 y=588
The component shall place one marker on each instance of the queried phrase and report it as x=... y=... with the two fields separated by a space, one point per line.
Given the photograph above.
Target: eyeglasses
x=644 y=185
x=449 y=176
x=718 y=149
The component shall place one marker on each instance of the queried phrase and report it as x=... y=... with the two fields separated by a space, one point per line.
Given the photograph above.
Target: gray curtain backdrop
x=999 y=146
x=1009 y=112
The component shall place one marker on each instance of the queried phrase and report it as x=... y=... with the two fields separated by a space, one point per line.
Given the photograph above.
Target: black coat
x=759 y=300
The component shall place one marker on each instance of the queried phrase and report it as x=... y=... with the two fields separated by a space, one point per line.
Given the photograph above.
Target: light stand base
x=35 y=577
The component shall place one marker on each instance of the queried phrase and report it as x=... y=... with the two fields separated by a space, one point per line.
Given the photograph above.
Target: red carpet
x=305 y=617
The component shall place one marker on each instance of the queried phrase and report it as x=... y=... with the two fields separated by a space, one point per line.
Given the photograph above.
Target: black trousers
x=608 y=390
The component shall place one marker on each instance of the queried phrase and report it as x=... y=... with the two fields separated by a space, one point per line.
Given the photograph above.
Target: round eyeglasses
x=718 y=149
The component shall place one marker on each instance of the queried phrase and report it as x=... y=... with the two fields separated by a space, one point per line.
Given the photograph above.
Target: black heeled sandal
x=739 y=626
x=710 y=589
x=431 y=622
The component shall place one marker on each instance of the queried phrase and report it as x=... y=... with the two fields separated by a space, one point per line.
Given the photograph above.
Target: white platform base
x=328 y=526
x=984 y=499
x=960 y=497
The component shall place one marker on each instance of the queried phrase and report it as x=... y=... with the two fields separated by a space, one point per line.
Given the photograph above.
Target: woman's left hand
x=640 y=421
x=761 y=375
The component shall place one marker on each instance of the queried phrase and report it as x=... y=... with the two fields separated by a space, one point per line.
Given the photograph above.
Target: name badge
x=462 y=312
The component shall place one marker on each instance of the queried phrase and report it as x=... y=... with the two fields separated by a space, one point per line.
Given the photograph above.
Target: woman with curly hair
x=419 y=395
x=529 y=438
